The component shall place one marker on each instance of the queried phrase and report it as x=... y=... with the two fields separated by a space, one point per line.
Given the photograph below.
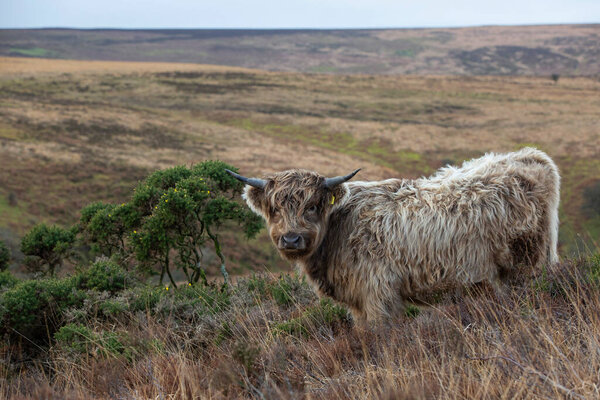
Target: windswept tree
x=184 y=210
x=46 y=247
x=106 y=227
x=172 y=217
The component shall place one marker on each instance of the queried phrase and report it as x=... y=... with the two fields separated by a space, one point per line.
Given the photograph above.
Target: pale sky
x=292 y=13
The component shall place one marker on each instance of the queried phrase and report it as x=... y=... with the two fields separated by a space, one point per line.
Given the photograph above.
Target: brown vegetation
x=538 y=339
x=493 y=50
x=72 y=132
x=67 y=139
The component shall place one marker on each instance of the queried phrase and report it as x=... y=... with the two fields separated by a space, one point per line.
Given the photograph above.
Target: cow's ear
x=256 y=200
x=338 y=193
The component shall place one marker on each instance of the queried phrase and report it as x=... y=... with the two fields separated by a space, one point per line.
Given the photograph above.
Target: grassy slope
x=68 y=139
x=271 y=339
x=92 y=132
x=516 y=50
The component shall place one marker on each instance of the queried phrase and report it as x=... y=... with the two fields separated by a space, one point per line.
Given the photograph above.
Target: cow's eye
x=312 y=210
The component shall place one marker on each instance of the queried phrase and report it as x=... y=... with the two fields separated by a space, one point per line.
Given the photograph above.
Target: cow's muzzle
x=292 y=241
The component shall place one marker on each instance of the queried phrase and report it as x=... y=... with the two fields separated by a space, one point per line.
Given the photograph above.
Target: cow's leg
x=552 y=229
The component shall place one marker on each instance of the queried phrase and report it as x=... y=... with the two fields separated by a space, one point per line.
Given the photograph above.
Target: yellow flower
x=167 y=200
x=189 y=284
x=134 y=231
x=208 y=192
x=166 y=287
x=175 y=190
x=122 y=204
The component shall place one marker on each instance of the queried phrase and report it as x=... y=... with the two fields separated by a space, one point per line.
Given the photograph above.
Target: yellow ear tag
x=332 y=199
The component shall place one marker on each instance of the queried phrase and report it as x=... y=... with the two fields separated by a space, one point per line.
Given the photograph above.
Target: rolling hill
x=73 y=132
x=489 y=50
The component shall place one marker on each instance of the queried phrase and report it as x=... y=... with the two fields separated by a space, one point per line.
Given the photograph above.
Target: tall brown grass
x=539 y=338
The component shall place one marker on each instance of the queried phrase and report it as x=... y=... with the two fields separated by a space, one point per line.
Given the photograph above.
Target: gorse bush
x=7 y=280
x=34 y=308
x=79 y=340
x=4 y=256
x=104 y=275
x=106 y=226
x=171 y=217
x=46 y=247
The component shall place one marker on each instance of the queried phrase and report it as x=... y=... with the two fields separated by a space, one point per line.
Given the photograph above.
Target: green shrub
x=7 y=280
x=593 y=263
x=209 y=299
x=412 y=311
x=46 y=247
x=182 y=210
x=145 y=298
x=34 y=308
x=4 y=256
x=112 y=308
x=257 y=284
x=172 y=216
x=107 y=226
x=77 y=339
x=293 y=327
x=285 y=290
x=569 y=277
x=192 y=302
x=104 y=275
x=282 y=291
x=325 y=314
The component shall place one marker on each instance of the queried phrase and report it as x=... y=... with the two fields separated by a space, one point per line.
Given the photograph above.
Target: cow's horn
x=257 y=183
x=332 y=182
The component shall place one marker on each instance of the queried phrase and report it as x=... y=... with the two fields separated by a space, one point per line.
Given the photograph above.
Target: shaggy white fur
x=384 y=242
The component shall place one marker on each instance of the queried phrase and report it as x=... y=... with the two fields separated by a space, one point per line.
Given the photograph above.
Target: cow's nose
x=291 y=239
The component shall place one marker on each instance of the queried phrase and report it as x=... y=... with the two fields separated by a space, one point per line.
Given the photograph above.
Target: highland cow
x=374 y=245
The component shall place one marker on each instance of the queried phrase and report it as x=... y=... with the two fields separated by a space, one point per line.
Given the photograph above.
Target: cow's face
x=296 y=205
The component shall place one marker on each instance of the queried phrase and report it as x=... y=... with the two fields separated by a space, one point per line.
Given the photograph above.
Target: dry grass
x=538 y=339
x=115 y=121
x=16 y=66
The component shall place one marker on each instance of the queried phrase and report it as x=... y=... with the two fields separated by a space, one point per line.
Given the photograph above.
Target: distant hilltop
x=489 y=50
